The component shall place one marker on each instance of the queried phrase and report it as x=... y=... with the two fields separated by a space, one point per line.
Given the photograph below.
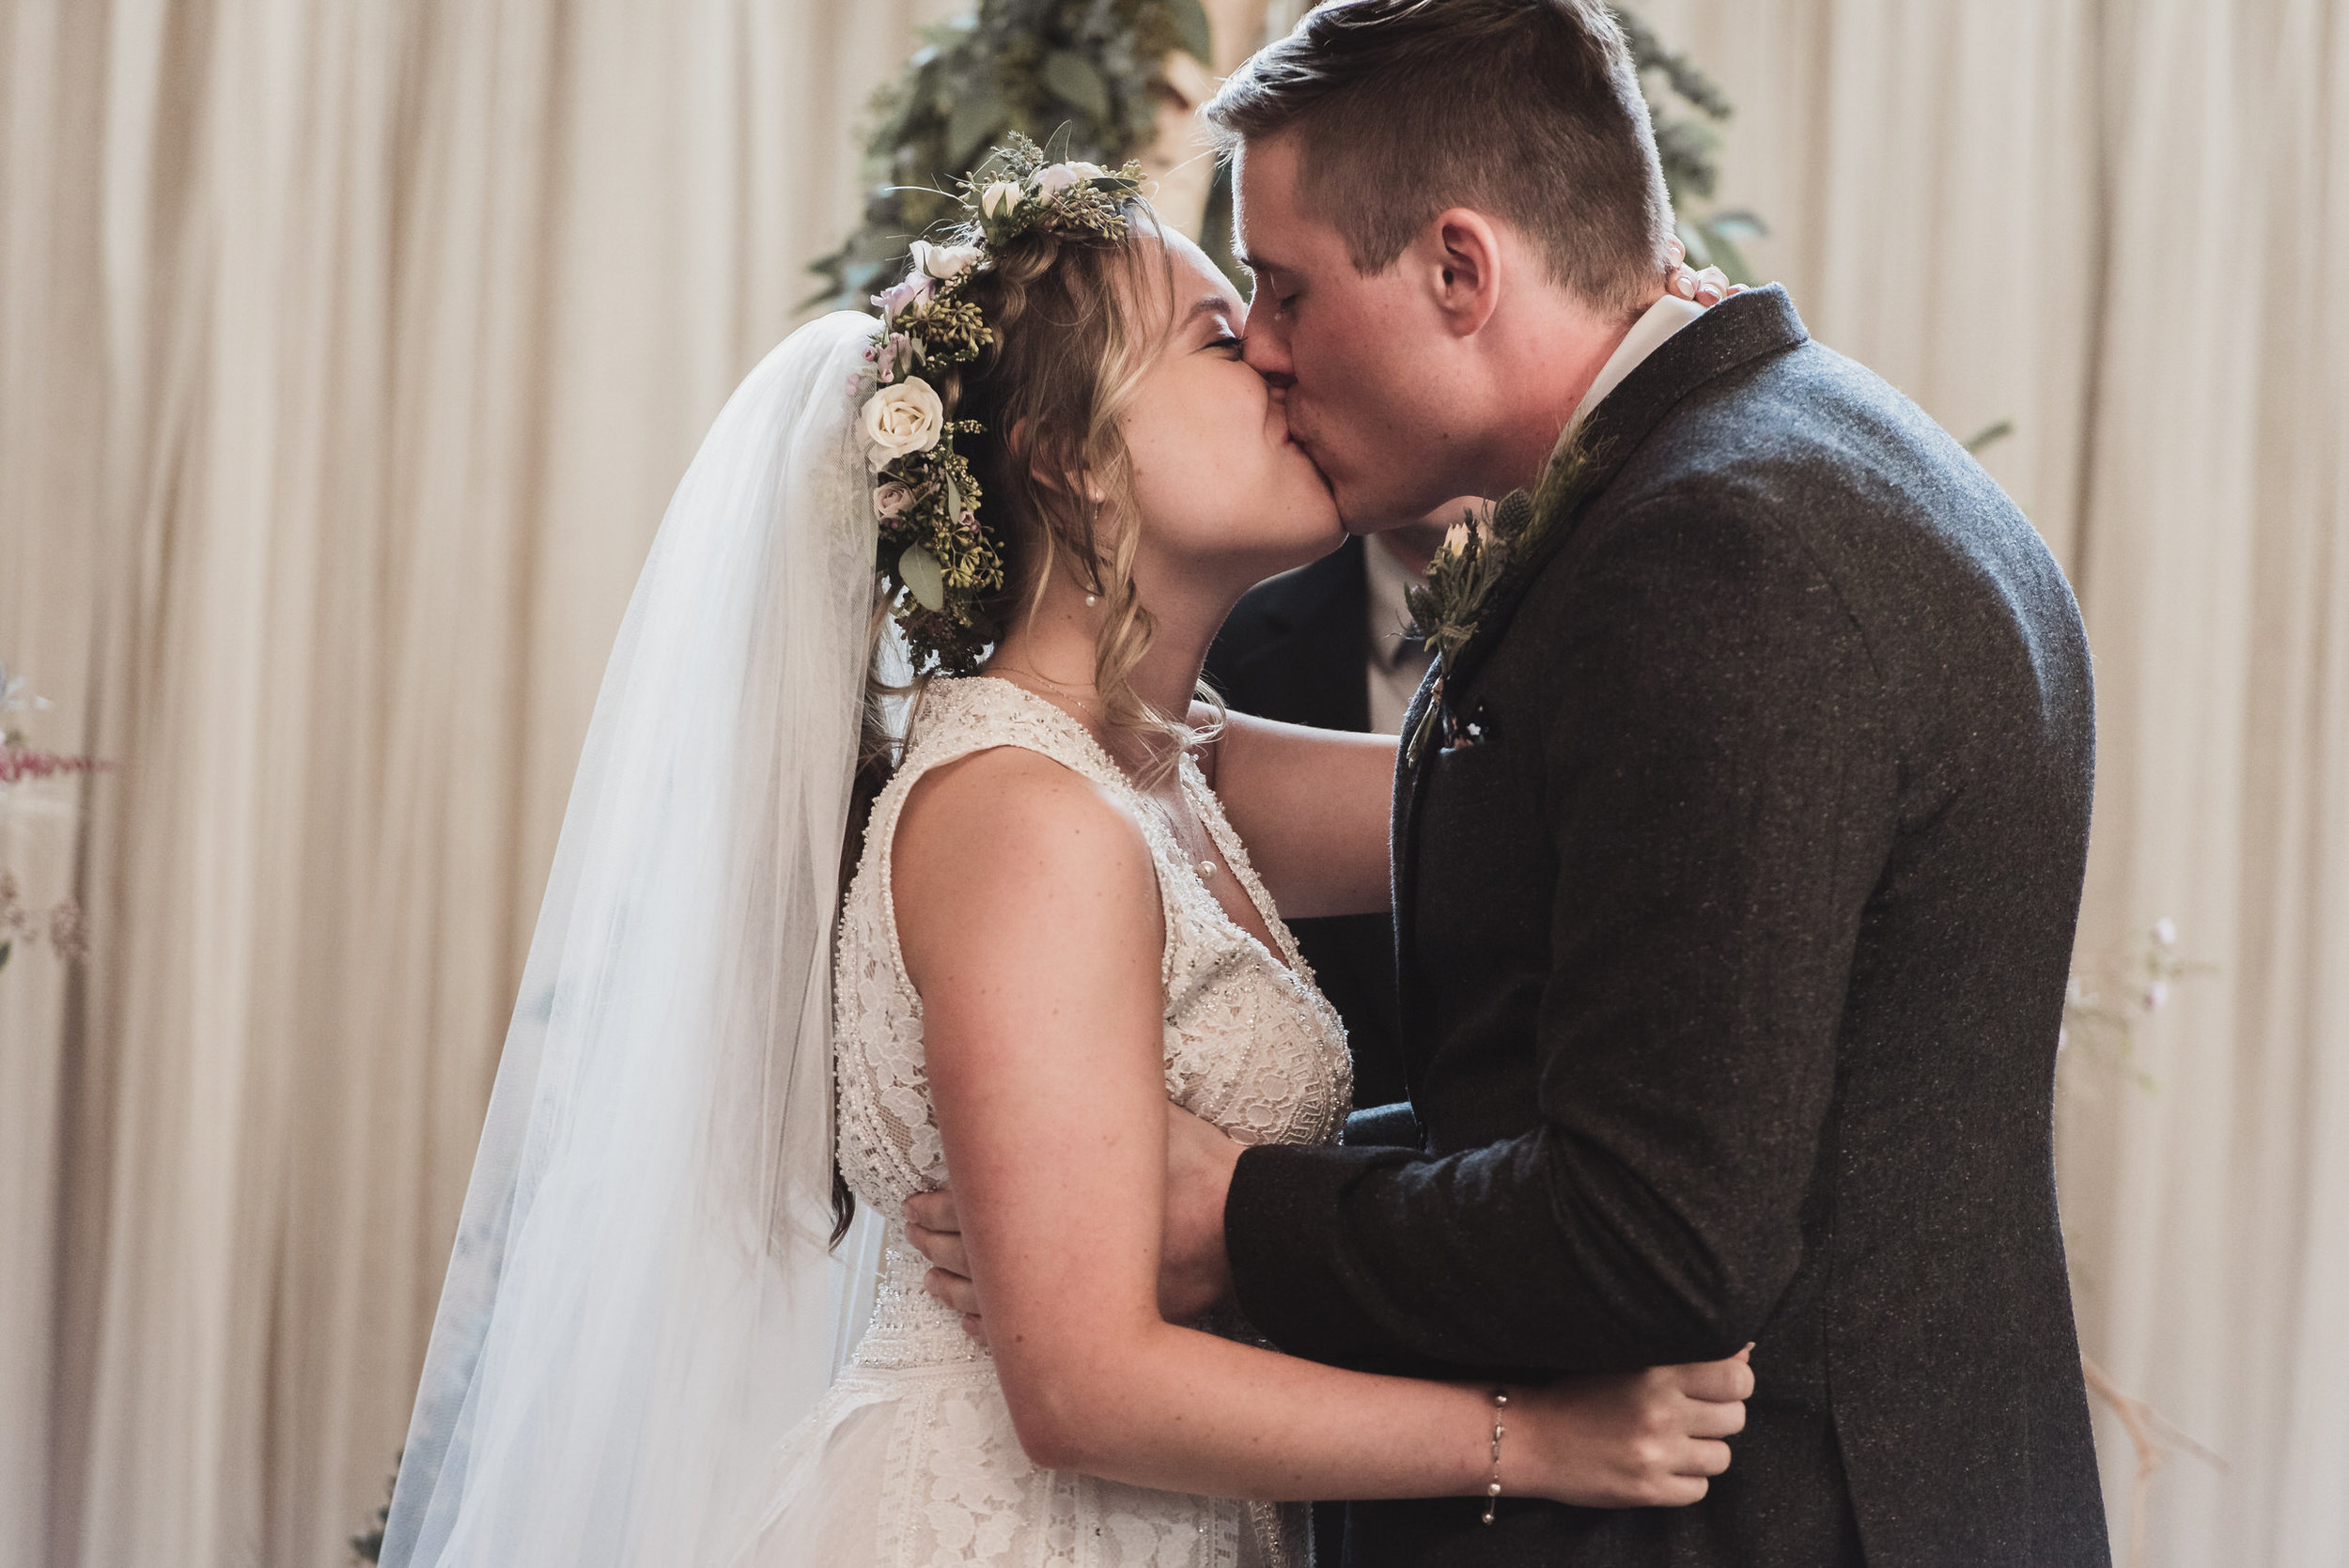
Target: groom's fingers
x=942 y=1248
x=954 y=1290
x=932 y=1211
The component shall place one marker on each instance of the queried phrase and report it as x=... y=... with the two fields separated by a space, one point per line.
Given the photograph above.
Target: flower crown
x=937 y=559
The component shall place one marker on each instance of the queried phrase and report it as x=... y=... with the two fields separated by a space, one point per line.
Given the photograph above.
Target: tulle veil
x=641 y=1301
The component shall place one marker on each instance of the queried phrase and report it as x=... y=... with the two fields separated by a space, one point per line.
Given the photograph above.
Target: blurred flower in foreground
x=21 y=924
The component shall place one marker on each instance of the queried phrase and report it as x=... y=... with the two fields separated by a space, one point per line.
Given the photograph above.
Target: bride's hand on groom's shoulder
x=1706 y=286
x=1640 y=1439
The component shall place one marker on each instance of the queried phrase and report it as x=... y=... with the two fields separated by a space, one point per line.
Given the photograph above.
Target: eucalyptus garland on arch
x=1097 y=67
x=1094 y=67
x=1686 y=144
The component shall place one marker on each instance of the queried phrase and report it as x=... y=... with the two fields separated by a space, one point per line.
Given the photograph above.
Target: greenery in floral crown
x=938 y=561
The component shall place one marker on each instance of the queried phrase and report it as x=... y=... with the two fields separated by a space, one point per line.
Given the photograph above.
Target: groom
x=1736 y=886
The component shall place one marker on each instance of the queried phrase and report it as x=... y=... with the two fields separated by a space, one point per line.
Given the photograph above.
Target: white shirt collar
x=1390 y=613
x=1650 y=332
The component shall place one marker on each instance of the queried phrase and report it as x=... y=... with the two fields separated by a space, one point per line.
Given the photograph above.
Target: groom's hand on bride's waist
x=1195 y=1271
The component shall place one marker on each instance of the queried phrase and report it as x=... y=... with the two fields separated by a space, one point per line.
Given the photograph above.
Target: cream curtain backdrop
x=346 y=355
x=2111 y=220
x=350 y=353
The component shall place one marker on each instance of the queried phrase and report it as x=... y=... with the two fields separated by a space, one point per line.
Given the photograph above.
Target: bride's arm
x=1312 y=805
x=1029 y=915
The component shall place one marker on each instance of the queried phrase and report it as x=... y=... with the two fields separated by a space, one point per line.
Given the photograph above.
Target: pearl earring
x=1092 y=600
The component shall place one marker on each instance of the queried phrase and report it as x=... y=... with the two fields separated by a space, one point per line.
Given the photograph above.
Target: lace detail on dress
x=1251 y=1044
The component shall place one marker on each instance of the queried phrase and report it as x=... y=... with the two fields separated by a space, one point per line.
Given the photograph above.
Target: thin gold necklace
x=1076 y=693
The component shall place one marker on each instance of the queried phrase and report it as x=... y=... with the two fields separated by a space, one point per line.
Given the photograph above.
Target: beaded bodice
x=1251 y=1044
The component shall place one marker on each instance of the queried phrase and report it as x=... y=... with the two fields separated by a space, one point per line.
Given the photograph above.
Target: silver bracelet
x=1492 y=1487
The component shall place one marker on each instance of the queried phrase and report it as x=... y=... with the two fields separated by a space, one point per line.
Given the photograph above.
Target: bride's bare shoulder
x=1008 y=841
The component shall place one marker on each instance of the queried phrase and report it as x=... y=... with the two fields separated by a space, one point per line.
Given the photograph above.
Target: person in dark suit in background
x=1328 y=645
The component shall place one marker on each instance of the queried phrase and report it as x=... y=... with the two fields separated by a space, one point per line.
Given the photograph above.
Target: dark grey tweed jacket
x=1732 y=954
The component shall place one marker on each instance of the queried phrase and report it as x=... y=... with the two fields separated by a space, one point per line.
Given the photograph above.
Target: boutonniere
x=1475 y=560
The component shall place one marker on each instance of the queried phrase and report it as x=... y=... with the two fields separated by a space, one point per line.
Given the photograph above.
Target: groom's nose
x=1265 y=349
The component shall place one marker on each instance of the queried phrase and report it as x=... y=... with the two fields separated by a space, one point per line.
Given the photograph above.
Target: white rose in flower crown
x=902 y=418
x=1001 y=199
x=944 y=262
x=1059 y=178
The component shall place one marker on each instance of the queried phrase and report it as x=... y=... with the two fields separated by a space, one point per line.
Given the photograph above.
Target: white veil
x=641 y=1301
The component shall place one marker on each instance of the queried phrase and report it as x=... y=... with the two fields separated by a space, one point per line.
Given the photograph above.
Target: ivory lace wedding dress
x=911 y=1460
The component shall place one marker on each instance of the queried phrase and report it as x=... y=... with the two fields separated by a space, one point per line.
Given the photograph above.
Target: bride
x=1054 y=942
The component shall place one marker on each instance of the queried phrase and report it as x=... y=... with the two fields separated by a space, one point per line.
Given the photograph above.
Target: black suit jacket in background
x=1732 y=959
x=1296 y=649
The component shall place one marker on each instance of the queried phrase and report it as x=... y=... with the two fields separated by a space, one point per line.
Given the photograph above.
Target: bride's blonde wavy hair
x=1077 y=326
x=1074 y=318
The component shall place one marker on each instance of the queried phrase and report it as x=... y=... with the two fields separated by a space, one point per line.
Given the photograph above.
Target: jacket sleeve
x=1719 y=798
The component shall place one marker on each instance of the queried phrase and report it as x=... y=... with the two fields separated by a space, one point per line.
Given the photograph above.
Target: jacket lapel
x=1736 y=331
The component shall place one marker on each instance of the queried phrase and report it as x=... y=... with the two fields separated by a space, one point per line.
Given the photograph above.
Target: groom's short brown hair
x=1529 y=110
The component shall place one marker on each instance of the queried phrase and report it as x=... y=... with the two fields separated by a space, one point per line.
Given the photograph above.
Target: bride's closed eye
x=1226 y=341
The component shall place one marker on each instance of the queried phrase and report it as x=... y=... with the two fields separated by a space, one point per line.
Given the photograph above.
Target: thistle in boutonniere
x=1475 y=559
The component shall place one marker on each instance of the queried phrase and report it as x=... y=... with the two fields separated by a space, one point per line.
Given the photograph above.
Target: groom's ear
x=1463 y=266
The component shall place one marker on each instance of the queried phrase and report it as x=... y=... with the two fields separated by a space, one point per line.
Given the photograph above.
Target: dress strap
x=957 y=718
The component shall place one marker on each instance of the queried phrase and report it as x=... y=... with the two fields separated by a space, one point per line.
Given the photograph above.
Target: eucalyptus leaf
x=975 y=119
x=1191 y=30
x=918 y=570
x=954 y=500
x=1721 y=252
x=1056 y=150
x=1989 y=435
x=1694 y=241
x=1078 y=81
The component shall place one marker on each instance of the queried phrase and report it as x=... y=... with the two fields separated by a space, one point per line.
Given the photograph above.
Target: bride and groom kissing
x=1736 y=857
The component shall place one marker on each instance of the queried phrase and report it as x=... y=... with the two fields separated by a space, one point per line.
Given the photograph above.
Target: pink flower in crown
x=970 y=523
x=896 y=299
x=896 y=351
x=892 y=499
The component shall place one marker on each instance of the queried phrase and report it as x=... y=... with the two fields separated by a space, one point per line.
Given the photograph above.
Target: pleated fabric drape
x=2111 y=221
x=349 y=356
